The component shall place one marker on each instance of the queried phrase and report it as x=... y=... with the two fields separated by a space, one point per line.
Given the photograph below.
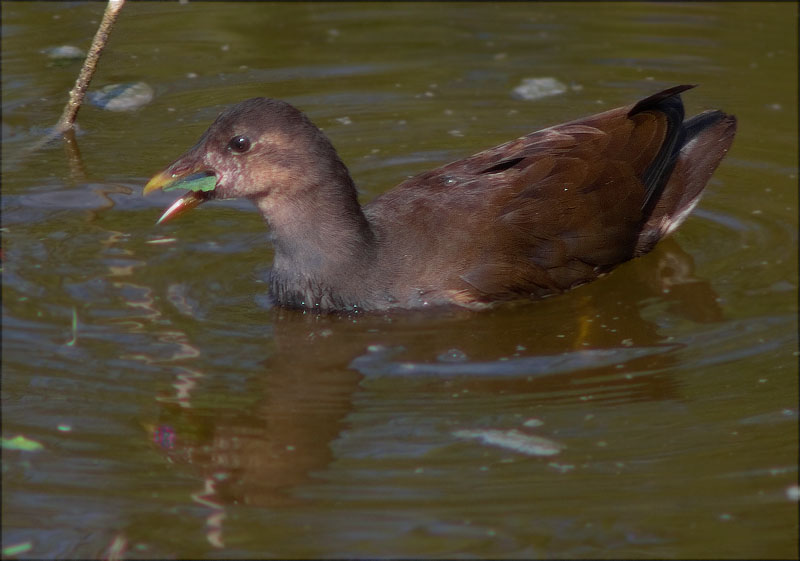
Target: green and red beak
x=200 y=184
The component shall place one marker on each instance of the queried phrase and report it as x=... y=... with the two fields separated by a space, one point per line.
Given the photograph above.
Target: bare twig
x=78 y=92
x=67 y=121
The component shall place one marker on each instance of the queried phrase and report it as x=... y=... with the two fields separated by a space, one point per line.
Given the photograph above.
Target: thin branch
x=76 y=95
x=67 y=121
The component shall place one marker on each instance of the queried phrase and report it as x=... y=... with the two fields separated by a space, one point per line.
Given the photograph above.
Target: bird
x=528 y=219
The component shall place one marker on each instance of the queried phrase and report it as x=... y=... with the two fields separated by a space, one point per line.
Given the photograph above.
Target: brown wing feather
x=548 y=211
x=574 y=206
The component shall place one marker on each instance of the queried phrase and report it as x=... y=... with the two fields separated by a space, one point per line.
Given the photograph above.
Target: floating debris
x=122 y=97
x=453 y=355
x=64 y=52
x=514 y=440
x=536 y=88
x=561 y=468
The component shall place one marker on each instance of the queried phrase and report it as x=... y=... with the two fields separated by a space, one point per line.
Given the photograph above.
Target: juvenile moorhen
x=527 y=219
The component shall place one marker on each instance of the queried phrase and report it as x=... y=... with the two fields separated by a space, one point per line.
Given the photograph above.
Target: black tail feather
x=701 y=143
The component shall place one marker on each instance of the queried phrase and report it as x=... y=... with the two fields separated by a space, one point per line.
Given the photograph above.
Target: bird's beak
x=201 y=185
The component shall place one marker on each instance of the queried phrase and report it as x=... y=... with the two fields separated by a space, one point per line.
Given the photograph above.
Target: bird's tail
x=703 y=142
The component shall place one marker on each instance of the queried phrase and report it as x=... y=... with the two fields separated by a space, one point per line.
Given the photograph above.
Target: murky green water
x=184 y=417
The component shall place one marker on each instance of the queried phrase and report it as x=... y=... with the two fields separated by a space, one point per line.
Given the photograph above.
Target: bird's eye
x=239 y=144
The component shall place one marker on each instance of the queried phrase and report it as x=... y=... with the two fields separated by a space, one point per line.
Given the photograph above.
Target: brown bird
x=527 y=219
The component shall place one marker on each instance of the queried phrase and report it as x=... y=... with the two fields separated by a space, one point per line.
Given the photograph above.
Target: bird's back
x=550 y=210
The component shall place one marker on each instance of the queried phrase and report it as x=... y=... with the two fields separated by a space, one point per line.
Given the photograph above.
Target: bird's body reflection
x=309 y=382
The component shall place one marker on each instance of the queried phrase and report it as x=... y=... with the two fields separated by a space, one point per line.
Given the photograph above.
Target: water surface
x=650 y=414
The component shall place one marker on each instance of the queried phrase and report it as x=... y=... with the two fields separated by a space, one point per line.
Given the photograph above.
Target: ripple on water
x=377 y=363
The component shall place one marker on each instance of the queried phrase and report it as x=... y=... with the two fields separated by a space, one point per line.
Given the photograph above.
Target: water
x=182 y=416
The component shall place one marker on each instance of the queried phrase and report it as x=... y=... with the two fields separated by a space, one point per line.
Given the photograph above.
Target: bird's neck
x=324 y=247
